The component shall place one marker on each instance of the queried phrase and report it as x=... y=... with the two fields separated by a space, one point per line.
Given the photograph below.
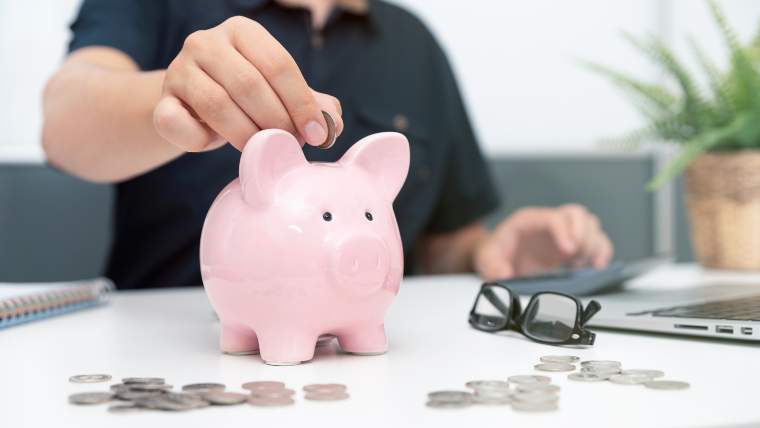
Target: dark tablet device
x=582 y=282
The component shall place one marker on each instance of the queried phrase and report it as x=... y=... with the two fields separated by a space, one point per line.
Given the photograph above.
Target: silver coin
x=124 y=408
x=90 y=397
x=325 y=387
x=450 y=396
x=274 y=393
x=609 y=371
x=588 y=377
x=270 y=402
x=149 y=387
x=523 y=379
x=225 y=398
x=601 y=363
x=90 y=378
x=318 y=396
x=560 y=359
x=263 y=385
x=130 y=395
x=537 y=387
x=204 y=387
x=535 y=397
x=534 y=407
x=151 y=380
x=646 y=372
x=666 y=384
x=630 y=379
x=554 y=367
x=172 y=401
x=487 y=384
x=449 y=404
x=331 y=131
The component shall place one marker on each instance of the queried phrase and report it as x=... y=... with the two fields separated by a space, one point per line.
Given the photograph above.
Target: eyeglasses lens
x=550 y=318
x=492 y=307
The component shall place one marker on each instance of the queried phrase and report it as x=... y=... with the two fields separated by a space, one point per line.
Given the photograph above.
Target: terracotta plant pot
x=723 y=196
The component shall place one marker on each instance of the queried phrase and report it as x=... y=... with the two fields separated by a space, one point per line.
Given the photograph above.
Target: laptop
x=726 y=311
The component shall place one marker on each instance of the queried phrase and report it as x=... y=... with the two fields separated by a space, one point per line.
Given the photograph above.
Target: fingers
x=332 y=106
x=175 y=124
x=281 y=72
x=246 y=87
x=492 y=263
x=593 y=247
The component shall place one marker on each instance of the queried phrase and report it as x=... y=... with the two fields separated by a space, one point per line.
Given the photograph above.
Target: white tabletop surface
x=173 y=334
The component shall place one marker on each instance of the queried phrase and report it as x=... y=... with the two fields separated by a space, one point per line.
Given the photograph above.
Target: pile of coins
x=536 y=393
x=528 y=393
x=612 y=371
x=141 y=393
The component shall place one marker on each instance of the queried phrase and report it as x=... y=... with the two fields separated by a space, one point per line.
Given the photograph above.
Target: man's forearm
x=451 y=252
x=98 y=121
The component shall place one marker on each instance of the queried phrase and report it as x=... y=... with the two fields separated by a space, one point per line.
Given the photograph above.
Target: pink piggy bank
x=292 y=250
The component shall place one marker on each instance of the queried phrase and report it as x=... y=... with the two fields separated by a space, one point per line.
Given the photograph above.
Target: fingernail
x=315 y=133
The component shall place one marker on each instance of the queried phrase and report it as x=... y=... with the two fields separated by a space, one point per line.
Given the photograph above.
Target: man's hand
x=229 y=82
x=538 y=239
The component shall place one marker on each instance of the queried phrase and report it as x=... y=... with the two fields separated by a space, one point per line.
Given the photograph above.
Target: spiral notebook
x=20 y=303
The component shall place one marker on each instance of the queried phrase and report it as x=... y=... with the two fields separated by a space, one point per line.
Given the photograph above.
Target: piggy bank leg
x=365 y=340
x=285 y=348
x=238 y=340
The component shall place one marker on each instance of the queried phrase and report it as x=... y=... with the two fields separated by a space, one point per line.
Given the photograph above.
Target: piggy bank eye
x=327 y=216
x=368 y=215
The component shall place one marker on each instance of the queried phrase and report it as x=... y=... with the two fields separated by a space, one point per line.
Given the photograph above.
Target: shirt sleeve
x=131 y=26
x=468 y=193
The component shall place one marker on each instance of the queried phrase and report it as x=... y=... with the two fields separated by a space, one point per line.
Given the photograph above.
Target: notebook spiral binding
x=32 y=307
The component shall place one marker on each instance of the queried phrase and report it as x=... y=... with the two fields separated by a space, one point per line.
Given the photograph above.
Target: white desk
x=174 y=335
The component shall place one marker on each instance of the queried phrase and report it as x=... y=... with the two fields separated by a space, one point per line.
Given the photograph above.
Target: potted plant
x=717 y=126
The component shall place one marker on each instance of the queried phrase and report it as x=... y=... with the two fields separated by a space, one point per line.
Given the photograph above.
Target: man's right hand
x=233 y=80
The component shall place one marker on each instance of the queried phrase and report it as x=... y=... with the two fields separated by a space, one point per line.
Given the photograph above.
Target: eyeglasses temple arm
x=591 y=309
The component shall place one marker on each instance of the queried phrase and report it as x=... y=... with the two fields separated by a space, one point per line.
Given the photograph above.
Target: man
x=152 y=91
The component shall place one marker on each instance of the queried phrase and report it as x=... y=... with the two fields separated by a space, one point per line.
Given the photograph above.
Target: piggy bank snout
x=361 y=262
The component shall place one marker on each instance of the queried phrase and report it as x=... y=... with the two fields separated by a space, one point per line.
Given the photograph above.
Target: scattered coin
x=630 y=379
x=601 y=370
x=149 y=387
x=172 y=401
x=535 y=397
x=274 y=393
x=666 y=384
x=263 y=384
x=588 y=377
x=450 y=396
x=535 y=407
x=560 y=359
x=554 y=367
x=204 y=387
x=225 y=398
x=492 y=400
x=317 y=396
x=449 y=404
x=537 y=387
x=270 y=402
x=151 y=380
x=523 y=379
x=90 y=378
x=324 y=387
x=130 y=395
x=651 y=373
x=90 y=397
x=601 y=363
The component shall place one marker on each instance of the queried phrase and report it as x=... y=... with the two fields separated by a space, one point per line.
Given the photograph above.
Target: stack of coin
x=450 y=399
x=612 y=371
x=325 y=392
x=268 y=393
x=523 y=392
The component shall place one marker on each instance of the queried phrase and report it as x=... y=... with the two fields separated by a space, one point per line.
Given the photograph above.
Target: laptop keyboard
x=746 y=308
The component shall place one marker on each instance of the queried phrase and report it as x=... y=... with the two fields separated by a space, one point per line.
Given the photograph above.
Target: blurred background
x=537 y=112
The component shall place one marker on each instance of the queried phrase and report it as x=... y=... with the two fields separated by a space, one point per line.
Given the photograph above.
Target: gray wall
x=55 y=227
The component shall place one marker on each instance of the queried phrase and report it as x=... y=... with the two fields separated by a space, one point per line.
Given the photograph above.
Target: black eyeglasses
x=551 y=318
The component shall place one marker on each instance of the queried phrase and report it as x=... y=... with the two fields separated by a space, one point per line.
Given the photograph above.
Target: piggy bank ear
x=385 y=157
x=268 y=155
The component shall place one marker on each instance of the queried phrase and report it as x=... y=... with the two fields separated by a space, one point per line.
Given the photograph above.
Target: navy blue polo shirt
x=382 y=64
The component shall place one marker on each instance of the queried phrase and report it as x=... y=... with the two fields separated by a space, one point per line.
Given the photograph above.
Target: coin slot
x=747 y=331
x=690 y=326
x=724 y=329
